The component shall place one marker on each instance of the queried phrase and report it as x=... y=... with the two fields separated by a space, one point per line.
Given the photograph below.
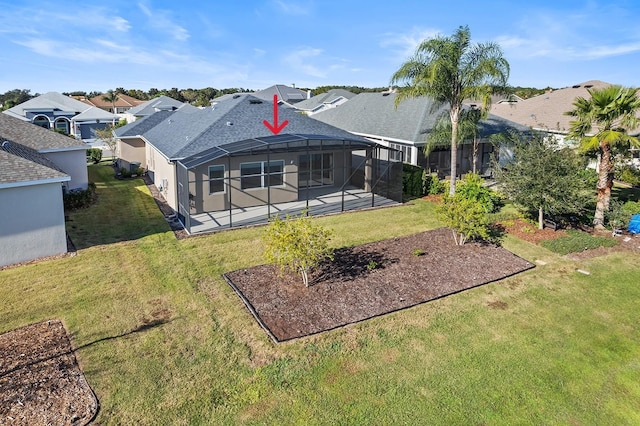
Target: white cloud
x=300 y=60
x=294 y=7
x=160 y=21
x=405 y=44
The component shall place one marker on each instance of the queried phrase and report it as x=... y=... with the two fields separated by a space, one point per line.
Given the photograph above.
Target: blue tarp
x=634 y=224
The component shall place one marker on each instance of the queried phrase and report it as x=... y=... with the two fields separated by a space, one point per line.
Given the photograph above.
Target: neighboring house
x=323 y=101
x=405 y=128
x=122 y=104
x=68 y=154
x=36 y=166
x=215 y=166
x=546 y=112
x=286 y=94
x=145 y=109
x=70 y=116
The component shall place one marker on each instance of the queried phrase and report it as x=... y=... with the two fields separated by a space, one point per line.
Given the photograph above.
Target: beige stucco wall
x=73 y=163
x=202 y=201
x=163 y=173
x=32 y=224
x=132 y=150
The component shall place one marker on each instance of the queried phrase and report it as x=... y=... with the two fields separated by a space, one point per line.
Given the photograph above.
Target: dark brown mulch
x=40 y=380
x=346 y=290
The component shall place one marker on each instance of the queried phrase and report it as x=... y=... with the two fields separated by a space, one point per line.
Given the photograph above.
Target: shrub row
x=79 y=198
x=416 y=182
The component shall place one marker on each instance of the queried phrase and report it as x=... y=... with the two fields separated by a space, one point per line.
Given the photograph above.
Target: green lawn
x=549 y=346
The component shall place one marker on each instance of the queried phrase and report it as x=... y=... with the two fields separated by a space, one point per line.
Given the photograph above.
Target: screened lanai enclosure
x=246 y=183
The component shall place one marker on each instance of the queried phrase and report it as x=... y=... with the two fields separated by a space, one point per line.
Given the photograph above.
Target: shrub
x=471 y=187
x=412 y=181
x=372 y=265
x=466 y=217
x=94 y=154
x=125 y=173
x=297 y=244
x=434 y=186
x=628 y=174
x=577 y=241
x=619 y=214
x=79 y=198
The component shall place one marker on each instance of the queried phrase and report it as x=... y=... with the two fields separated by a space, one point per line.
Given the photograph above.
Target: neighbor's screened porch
x=247 y=182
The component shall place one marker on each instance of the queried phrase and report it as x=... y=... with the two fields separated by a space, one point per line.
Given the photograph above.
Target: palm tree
x=112 y=97
x=610 y=112
x=451 y=69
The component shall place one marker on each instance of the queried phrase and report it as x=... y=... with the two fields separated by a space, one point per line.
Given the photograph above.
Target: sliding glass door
x=315 y=170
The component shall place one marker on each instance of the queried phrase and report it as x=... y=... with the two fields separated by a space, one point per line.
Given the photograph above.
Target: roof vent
x=236 y=96
x=255 y=101
x=588 y=86
x=5 y=144
x=577 y=86
x=229 y=123
x=385 y=93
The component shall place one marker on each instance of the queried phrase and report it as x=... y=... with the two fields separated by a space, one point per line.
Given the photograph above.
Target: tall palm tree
x=610 y=112
x=450 y=70
x=112 y=97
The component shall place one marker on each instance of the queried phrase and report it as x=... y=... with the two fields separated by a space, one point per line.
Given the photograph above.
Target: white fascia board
x=67 y=148
x=386 y=139
x=34 y=182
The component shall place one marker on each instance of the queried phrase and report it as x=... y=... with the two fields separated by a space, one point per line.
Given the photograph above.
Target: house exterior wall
x=130 y=151
x=163 y=175
x=234 y=197
x=73 y=163
x=32 y=225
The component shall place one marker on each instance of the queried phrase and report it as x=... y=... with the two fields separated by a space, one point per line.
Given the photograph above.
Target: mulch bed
x=346 y=290
x=40 y=380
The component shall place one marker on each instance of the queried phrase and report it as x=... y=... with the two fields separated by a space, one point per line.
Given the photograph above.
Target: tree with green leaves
x=450 y=70
x=297 y=244
x=466 y=217
x=107 y=136
x=111 y=97
x=601 y=124
x=543 y=178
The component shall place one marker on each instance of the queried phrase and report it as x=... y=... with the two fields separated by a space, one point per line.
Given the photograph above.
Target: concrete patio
x=321 y=202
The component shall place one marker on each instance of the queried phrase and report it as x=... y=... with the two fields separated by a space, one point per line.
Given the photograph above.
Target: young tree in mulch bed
x=297 y=244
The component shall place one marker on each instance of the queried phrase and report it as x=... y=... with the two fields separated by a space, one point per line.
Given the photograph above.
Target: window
x=315 y=170
x=261 y=174
x=216 y=179
x=406 y=152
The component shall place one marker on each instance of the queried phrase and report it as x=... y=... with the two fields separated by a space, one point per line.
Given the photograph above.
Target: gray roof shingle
x=24 y=164
x=185 y=132
x=36 y=137
x=375 y=114
x=322 y=98
x=161 y=103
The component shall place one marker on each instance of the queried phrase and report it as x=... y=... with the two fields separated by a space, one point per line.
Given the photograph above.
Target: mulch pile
x=40 y=380
x=369 y=280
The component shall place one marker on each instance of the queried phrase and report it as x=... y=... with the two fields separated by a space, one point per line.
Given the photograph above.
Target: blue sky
x=68 y=45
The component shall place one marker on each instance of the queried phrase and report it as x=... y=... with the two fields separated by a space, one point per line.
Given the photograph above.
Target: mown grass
x=549 y=346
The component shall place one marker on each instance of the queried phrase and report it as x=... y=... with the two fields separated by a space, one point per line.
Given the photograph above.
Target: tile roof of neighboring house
x=50 y=100
x=323 y=98
x=185 y=132
x=285 y=93
x=546 y=111
x=95 y=113
x=161 y=103
x=21 y=163
x=122 y=101
x=375 y=115
x=34 y=136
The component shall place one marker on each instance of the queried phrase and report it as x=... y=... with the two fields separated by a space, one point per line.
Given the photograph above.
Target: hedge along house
x=221 y=167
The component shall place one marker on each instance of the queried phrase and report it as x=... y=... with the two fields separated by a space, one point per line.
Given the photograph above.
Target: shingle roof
x=95 y=113
x=50 y=100
x=20 y=163
x=34 y=136
x=154 y=105
x=322 y=98
x=285 y=93
x=375 y=114
x=546 y=111
x=186 y=132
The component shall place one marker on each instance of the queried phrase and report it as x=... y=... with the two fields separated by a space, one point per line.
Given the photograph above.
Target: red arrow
x=275 y=128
